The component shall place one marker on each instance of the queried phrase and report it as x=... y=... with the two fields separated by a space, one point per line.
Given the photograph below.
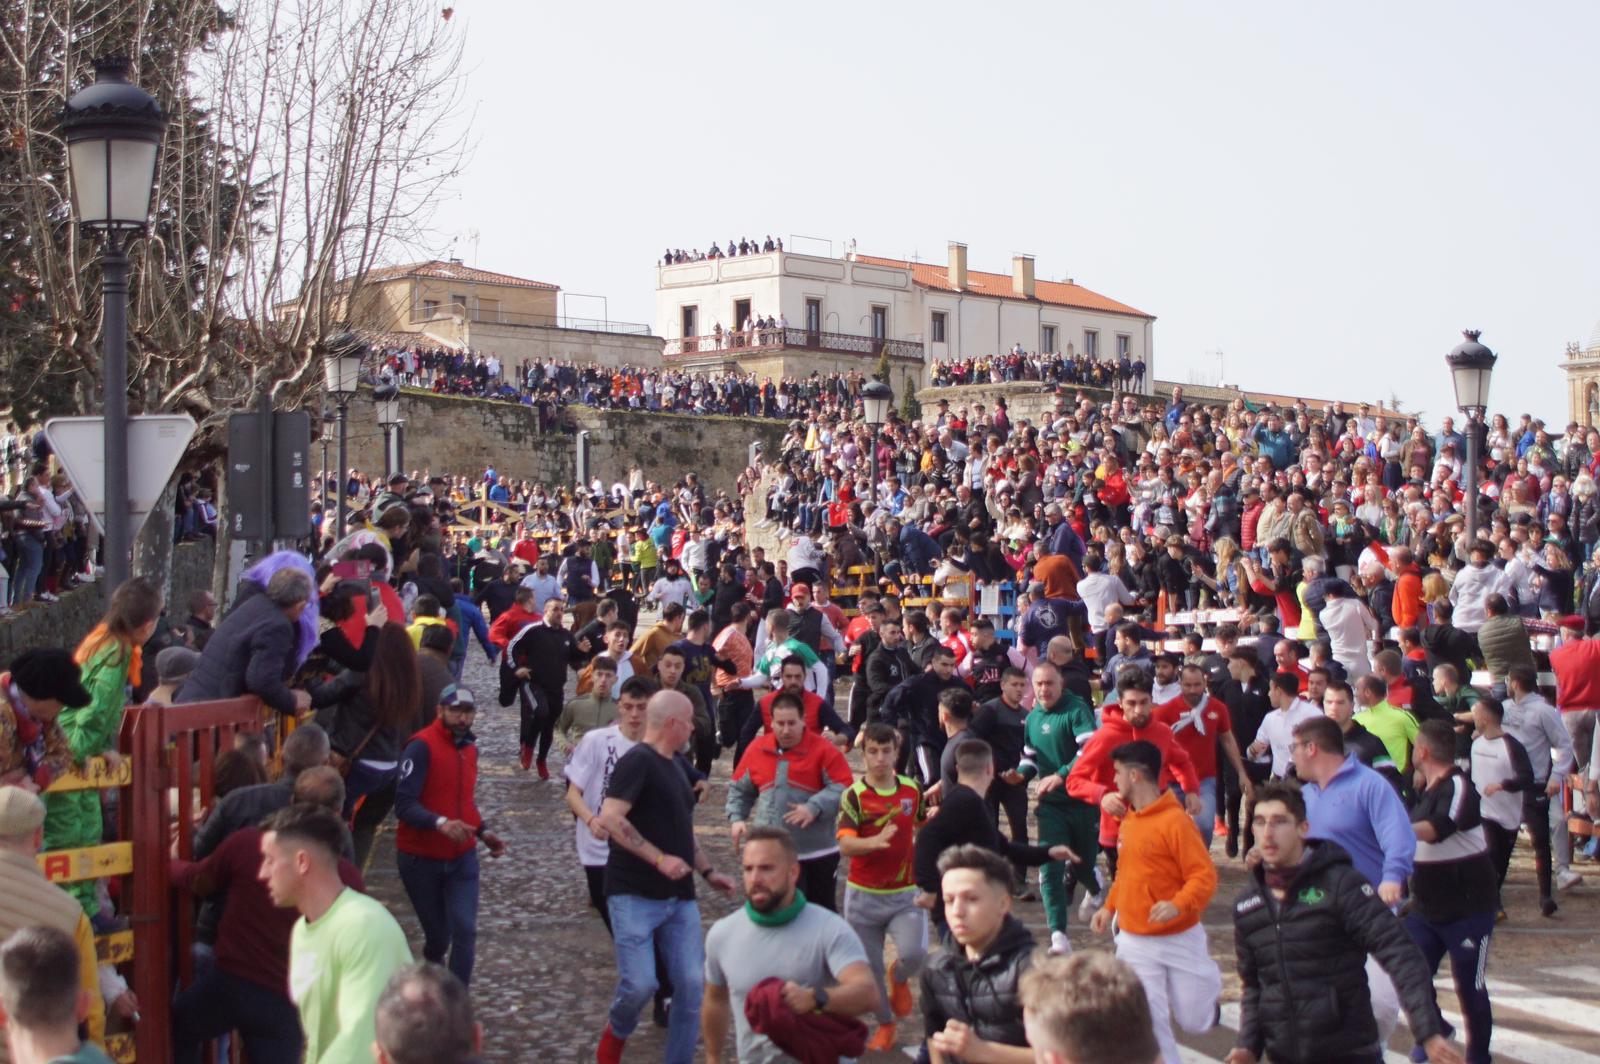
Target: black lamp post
x=113 y=133
x=343 y=354
x=326 y=427
x=1471 y=365
x=876 y=400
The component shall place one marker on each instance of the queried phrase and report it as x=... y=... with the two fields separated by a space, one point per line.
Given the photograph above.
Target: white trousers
x=1180 y=979
x=1385 y=999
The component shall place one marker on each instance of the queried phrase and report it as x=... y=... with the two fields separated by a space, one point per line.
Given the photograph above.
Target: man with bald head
x=648 y=815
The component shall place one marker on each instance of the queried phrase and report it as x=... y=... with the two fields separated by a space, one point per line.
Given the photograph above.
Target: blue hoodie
x=1359 y=810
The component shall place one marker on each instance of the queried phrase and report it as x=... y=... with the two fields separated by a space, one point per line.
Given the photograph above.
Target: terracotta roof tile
x=1057 y=293
x=437 y=269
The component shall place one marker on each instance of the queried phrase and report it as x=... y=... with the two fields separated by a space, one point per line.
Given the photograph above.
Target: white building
x=842 y=313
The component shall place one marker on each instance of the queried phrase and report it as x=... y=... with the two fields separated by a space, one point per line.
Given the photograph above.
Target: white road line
x=1551 y=1007
x=1578 y=973
x=1230 y=1020
x=1511 y=1042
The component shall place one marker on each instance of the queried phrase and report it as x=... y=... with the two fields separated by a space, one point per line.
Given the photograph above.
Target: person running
x=1338 y=703
x=648 y=814
x=1395 y=727
x=1002 y=723
x=878 y=815
x=1352 y=805
x=436 y=843
x=1502 y=775
x=1201 y=725
x=1277 y=727
x=791 y=975
x=538 y=657
x=1058 y=725
x=792 y=777
x=345 y=945
x=1537 y=725
x=1166 y=864
x=1453 y=890
x=992 y=949
x=1304 y=926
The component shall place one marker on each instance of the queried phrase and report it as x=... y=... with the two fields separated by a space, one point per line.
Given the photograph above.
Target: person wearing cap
x=173 y=666
x=440 y=827
x=27 y=899
x=33 y=748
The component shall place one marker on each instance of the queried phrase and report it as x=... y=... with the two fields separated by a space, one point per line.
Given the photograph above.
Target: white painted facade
x=852 y=296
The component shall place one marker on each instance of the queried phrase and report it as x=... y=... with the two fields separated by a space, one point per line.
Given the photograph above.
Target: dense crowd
x=997 y=620
x=1124 y=373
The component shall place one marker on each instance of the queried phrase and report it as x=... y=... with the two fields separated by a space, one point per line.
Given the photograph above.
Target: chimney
x=1022 y=276
x=958 y=266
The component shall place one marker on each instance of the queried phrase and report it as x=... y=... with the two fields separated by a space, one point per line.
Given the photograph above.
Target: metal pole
x=1469 y=489
x=399 y=447
x=344 y=465
x=114 y=373
x=388 y=450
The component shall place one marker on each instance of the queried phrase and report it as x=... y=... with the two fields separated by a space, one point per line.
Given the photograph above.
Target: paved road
x=545 y=973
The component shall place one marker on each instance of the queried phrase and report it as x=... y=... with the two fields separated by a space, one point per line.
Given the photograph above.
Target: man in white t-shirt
x=1277 y=728
x=588 y=774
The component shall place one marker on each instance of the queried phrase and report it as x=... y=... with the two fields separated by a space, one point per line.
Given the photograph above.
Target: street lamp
x=342 y=355
x=386 y=398
x=876 y=399
x=1471 y=364
x=113 y=133
x=327 y=427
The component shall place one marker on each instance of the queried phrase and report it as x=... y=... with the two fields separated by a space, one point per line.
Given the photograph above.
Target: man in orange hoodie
x=1093 y=778
x=1165 y=881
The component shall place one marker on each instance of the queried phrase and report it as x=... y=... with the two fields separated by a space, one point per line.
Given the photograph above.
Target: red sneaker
x=544 y=771
x=899 y=995
x=526 y=757
x=610 y=1050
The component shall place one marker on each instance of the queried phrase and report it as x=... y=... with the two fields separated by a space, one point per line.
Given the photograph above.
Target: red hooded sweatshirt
x=1093 y=776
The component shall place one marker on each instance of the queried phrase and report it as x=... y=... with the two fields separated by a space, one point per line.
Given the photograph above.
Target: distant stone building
x=1582 y=366
x=844 y=313
x=447 y=304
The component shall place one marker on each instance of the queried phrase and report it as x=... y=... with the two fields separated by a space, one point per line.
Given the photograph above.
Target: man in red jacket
x=1093 y=776
x=439 y=831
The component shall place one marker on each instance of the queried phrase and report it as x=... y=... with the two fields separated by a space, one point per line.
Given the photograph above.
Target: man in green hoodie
x=1059 y=722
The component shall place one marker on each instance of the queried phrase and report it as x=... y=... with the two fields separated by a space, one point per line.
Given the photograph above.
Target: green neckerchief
x=779 y=918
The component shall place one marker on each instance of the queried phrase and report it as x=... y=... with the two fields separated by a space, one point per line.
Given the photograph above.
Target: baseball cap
x=50 y=674
x=21 y=812
x=175 y=663
x=458 y=696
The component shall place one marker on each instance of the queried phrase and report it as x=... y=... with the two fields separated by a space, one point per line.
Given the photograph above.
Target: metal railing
x=793 y=337
x=455 y=312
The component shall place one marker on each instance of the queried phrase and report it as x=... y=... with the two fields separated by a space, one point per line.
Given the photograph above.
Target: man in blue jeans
x=439 y=831
x=648 y=816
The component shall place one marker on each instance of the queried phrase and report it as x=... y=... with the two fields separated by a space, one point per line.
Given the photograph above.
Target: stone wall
x=515 y=343
x=464 y=436
x=65 y=623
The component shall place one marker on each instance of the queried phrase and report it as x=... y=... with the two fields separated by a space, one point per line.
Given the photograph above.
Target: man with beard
x=792 y=966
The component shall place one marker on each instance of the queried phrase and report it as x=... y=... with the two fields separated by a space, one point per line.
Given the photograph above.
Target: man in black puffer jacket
x=1303 y=929
x=971 y=996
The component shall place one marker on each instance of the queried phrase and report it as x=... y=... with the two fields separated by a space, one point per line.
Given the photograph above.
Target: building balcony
x=733 y=345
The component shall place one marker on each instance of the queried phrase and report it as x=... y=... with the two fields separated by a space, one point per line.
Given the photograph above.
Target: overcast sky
x=1327 y=194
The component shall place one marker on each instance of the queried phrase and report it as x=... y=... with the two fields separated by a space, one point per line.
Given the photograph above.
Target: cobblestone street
x=545 y=971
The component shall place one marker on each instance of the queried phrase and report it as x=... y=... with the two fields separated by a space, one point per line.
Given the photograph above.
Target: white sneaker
x=1568 y=879
x=1090 y=905
x=1059 y=943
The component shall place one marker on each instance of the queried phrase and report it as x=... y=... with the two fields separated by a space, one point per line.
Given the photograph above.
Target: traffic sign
x=156 y=443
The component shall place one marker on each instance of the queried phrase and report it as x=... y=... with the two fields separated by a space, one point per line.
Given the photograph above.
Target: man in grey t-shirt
x=778 y=934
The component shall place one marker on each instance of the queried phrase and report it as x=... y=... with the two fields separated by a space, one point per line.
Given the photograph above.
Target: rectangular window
x=1047 y=339
x=1124 y=345
x=880 y=323
x=459 y=299
x=430 y=307
x=1091 y=343
x=938 y=326
x=813 y=316
x=691 y=322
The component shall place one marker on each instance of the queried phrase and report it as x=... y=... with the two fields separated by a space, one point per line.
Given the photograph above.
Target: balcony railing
x=452 y=312
x=792 y=337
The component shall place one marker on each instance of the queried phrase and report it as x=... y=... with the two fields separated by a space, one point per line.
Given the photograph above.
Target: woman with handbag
x=368 y=717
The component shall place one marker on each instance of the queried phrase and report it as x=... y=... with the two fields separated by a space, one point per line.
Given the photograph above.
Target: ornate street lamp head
x=1471 y=365
x=113 y=132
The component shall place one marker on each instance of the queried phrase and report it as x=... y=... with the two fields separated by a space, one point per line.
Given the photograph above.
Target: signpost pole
x=264 y=413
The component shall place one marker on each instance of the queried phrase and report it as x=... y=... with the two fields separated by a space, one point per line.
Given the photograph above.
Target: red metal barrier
x=173 y=750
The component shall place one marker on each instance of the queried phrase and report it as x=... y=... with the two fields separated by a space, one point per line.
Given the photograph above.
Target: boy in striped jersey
x=877 y=817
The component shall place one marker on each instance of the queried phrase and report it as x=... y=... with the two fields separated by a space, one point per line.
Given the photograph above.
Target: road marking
x=1578 y=973
x=1534 y=1002
x=1508 y=1041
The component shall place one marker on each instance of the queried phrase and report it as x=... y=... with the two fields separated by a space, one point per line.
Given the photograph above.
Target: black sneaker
x=1231 y=848
x=663 y=1007
x=1547 y=906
